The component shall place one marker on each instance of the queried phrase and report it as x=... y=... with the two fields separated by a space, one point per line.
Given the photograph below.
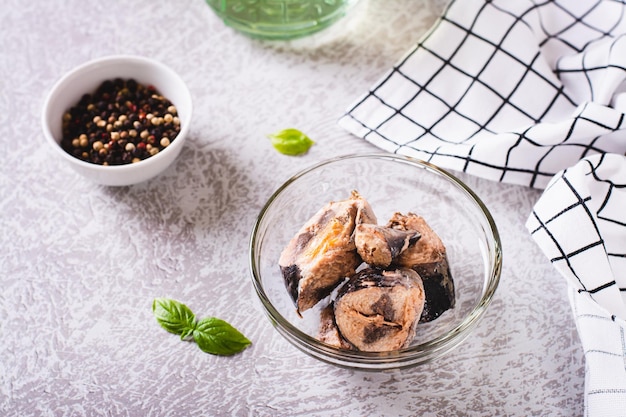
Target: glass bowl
x=281 y=19
x=390 y=183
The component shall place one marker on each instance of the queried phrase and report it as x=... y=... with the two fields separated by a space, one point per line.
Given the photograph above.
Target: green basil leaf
x=174 y=316
x=217 y=337
x=291 y=142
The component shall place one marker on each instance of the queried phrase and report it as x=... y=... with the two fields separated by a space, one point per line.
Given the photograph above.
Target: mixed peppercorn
x=122 y=122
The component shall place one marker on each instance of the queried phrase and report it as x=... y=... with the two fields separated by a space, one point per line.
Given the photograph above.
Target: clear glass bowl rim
x=407 y=357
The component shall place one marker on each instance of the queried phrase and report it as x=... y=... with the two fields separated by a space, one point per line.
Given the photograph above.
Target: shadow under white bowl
x=85 y=79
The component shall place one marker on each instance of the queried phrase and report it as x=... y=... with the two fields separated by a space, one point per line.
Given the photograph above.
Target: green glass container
x=280 y=19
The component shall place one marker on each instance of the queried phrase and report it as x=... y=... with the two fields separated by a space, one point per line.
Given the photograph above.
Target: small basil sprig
x=212 y=335
x=291 y=142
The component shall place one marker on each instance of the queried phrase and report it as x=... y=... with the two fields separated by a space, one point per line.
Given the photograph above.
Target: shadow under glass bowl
x=390 y=183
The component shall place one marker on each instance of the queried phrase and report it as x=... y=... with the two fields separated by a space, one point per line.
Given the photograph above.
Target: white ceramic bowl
x=85 y=79
x=390 y=183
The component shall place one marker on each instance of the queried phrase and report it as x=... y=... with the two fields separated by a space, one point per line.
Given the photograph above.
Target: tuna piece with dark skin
x=323 y=253
x=379 y=245
x=377 y=310
x=428 y=258
x=328 y=331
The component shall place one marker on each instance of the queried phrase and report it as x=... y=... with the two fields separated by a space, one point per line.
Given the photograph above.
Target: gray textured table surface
x=81 y=264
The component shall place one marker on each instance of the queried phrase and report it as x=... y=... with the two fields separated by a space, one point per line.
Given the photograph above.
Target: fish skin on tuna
x=323 y=252
x=428 y=257
x=378 y=310
x=379 y=245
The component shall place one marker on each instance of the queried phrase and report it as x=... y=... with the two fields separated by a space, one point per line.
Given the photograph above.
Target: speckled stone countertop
x=81 y=264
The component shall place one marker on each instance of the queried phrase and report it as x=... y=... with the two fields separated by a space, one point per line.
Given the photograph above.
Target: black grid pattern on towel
x=580 y=224
x=580 y=215
x=604 y=343
x=419 y=123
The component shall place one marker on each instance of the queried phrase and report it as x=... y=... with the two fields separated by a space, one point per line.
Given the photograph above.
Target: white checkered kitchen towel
x=530 y=92
x=580 y=224
x=496 y=87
